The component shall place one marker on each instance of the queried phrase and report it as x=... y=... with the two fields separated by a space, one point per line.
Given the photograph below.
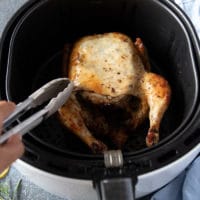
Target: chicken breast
x=107 y=65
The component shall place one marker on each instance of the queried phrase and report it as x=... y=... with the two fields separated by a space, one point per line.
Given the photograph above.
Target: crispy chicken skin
x=114 y=91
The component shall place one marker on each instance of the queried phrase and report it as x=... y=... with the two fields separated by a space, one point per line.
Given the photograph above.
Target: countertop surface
x=7 y=10
x=29 y=191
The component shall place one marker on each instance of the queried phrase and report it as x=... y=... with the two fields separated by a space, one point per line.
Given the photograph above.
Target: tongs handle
x=19 y=110
x=25 y=126
x=57 y=90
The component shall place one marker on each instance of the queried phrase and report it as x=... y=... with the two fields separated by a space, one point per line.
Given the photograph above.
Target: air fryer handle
x=115 y=181
x=116 y=188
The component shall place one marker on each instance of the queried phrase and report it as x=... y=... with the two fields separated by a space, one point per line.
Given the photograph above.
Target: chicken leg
x=158 y=93
x=70 y=116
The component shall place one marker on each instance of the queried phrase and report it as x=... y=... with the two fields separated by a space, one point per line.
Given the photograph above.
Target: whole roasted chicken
x=114 y=91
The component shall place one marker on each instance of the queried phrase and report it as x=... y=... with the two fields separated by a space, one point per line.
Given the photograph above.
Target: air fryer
x=33 y=51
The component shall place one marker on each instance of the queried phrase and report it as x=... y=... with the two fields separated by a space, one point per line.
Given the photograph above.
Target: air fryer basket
x=35 y=57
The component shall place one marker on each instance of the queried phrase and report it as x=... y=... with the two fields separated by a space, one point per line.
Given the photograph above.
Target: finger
x=10 y=151
x=6 y=108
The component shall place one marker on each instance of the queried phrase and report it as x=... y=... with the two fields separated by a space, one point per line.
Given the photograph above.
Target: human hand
x=14 y=147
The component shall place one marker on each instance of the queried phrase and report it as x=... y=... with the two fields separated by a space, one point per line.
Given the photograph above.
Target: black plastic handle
x=117 y=189
x=115 y=181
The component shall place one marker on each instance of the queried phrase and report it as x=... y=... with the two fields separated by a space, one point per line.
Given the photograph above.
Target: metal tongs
x=57 y=91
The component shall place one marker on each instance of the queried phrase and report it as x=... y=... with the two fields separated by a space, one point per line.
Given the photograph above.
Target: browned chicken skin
x=114 y=91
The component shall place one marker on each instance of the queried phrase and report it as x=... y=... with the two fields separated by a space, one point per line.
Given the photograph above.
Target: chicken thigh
x=114 y=91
